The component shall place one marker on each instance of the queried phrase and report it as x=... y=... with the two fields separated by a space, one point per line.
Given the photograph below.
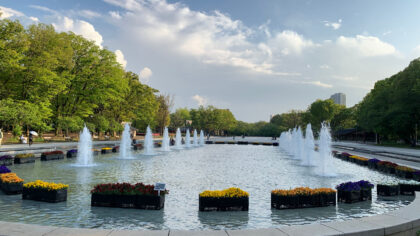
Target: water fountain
x=165 y=140
x=84 y=149
x=187 y=139
x=300 y=145
x=325 y=157
x=148 y=142
x=195 y=140
x=178 y=138
x=125 y=145
x=202 y=138
x=309 y=156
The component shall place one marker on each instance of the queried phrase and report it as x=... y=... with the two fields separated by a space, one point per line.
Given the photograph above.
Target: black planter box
x=231 y=142
x=128 y=201
x=24 y=160
x=96 y=152
x=243 y=142
x=416 y=177
x=106 y=151
x=372 y=165
x=291 y=202
x=223 y=204
x=12 y=188
x=275 y=144
x=387 y=190
x=52 y=157
x=256 y=143
x=365 y=194
x=115 y=149
x=349 y=196
x=7 y=162
x=267 y=144
x=362 y=163
x=404 y=174
x=71 y=154
x=209 y=142
x=408 y=189
x=219 y=142
x=157 y=144
x=44 y=195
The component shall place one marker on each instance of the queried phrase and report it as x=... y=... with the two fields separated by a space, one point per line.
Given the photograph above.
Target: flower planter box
x=362 y=163
x=96 y=152
x=387 y=190
x=231 y=142
x=223 y=204
x=219 y=142
x=6 y=160
x=408 y=189
x=416 y=177
x=44 y=195
x=276 y=144
x=291 y=202
x=404 y=174
x=209 y=142
x=116 y=149
x=267 y=144
x=52 y=157
x=128 y=201
x=256 y=143
x=372 y=165
x=12 y=188
x=157 y=144
x=243 y=142
x=24 y=160
x=138 y=146
x=365 y=194
x=349 y=196
x=106 y=151
x=71 y=154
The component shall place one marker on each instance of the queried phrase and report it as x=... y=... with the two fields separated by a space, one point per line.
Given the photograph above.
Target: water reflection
x=231 y=220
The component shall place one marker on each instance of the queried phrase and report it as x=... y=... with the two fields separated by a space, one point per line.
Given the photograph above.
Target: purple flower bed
x=4 y=169
x=365 y=184
x=72 y=151
x=345 y=154
x=5 y=157
x=374 y=160
x=348 y=186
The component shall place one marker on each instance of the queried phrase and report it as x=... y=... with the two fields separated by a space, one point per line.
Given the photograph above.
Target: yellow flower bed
x=404 y=168
x=359 y=158
x=106 y=148
x=27 y=155
x=302 y=191
x=228 y=193
x=45 y=185
x=95 y=150
x=10 y=178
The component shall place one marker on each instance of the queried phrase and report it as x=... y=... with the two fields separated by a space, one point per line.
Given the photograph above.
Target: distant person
x=172 y=141
x=134 y=141
x=208 y=136
x=22 y=139
x=243 y=136
x=31 y=139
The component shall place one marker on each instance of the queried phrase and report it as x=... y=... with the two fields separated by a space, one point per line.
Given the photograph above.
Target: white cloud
x=289 y=42
x=319 y=83
x=120 y=58
x=42 y=8
x=145 y=74
x=416 y=51
x=32 y=18
x=325 y=67
x=9 y=12
x=201 y=101
x=367 y=46
x=115 y=15
x=79 y=27
x=89 y=14
x=334 y=25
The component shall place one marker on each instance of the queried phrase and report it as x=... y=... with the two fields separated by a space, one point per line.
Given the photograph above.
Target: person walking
x=31 y=139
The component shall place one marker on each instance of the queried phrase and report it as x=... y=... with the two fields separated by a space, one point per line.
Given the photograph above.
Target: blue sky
x=256 y=58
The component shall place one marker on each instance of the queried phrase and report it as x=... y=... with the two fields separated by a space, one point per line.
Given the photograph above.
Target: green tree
x=179 y=117
x=322 y=110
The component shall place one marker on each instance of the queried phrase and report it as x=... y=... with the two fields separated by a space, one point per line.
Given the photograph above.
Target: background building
x=339 y=98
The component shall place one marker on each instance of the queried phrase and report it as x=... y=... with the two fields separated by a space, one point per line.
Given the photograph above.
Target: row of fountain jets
x=85 y=151
x=302 y=148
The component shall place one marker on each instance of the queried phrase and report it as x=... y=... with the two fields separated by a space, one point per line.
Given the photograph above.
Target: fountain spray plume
x=84 y=148
x=125 y=145
x=148 y=142
x=309 y=158
x=187 y=139
x=326 y=167
x=178 y=142
x=202 y=138
x=165 y=140
x=300 y=145
x=195 y=140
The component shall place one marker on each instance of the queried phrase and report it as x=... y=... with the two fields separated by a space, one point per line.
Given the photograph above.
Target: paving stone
x=310 y=230
x=356 y=227
x=197 y=233
x=259 y=232
x=18 y=229
x=139 y=233
x=79 y=232
x=392 y=224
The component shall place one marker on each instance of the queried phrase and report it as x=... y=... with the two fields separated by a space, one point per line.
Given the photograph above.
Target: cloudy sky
x=254 y=57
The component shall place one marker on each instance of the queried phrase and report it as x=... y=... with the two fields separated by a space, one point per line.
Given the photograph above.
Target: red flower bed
x=126 y=189
x=52 y=153
x=387 y=163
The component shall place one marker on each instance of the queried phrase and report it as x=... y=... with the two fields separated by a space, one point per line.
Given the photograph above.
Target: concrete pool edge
x=404 y=221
